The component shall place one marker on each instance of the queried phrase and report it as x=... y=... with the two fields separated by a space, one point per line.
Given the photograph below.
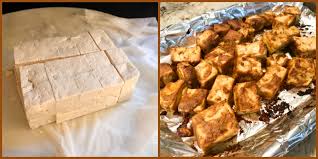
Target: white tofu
x=102 y=40
x=85 y=43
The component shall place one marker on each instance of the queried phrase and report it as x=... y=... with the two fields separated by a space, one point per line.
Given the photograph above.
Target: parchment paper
x=129 y=129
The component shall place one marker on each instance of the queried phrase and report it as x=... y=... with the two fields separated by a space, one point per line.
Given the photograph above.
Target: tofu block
x=270 y=83
x=85 y=43
x=183 y=54
x=304 y=46
x=205 y=73
x=221 y=29
x=170 y=95
x=301 y=71
x=33 y=124
x=192 y=100
x=207 y=40
x=246 y=98
x=247 y=68
x=214 y=125
x=166 y=74
x=256 y=49
x=126 y=69
x=187 y=73
x=233 y=35
x=222 y=57
x=221 y=90
x=256 y=21
x=102 y=40
x=277 y=59
x=275 y=42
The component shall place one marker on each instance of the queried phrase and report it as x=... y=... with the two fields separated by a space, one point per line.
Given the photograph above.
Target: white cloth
x=129 y=129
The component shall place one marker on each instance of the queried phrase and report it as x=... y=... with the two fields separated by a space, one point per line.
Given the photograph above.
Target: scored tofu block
x=277 y=58
x=192 y=100
x=183 y=54
x=270 y=83
x=166 y=74
x=170 y=95
x=221 y=89
x=102 y=40
x=36 y=94
x=301 y=71
x=256 y=49
x=247 y=68
x=206 y=73
x=246 y=98
x=214 y=125
x=207 y=40
x=275 y=42
x=85 y=43
x=127 y=71
x=186 y=72
x=304 y=46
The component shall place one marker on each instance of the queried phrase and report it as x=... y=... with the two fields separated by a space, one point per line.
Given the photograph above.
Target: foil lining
x=256 y=138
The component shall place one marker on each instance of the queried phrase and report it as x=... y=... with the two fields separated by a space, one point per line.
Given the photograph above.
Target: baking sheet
x=129 y=129
x=257 y=138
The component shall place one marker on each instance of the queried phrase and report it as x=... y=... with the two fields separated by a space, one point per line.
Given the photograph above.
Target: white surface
x=130 y=129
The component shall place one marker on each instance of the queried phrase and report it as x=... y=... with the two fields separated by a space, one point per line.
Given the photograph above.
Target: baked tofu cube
x=184 y=54
x=207 y=40
x=206 y=73
x=221 y=29
x=289 y=31
x=270 y=83
x=304 y=46
x=186 y=72
x=256 y=21
x=235 y=24
x=269 y=17
x=277 y=59
x=166 y=74
x=214 y=125
x=170 y=95
x=233 y=35
x=246 y=98
x=284 y=19
x=291 y=10
x=247 y=32
x=256 y=49
x=221 y=89
x=275 y=42
x=301 y=71
x=222 y=57
x=247 y=69
x=192 y=100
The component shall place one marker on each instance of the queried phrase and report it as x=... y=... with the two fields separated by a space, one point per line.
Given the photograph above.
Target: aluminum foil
x=256 y=138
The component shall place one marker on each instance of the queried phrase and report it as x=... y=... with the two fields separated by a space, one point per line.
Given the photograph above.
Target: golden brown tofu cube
x=235 y=24
x=247 y=69
x=184 y=54
x=207 y=40
x=304 y=46
x=233 y=35
x=269 y=17
x=166 y=74
x=289 y=31
x=277 y=59
x=246 y=98
x=284 y=19
x=256 y=49
x=256 y=21
x=270 y=83
x=221 y=89
x=291 y=10
x=170 y=95
x=275 y=42
x=247 y=32
x=222 y=57
x=192 y=101
x=186 y=72
x=206 y=73
x=214 y=125
x=221 y=29
x=301 y=71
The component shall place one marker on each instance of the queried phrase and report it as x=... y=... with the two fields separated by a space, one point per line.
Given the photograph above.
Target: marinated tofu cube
x=166 y=74
x=235 y=24
x=277 y=59
x=275 y=42
x=270 y=83
x=233 y=35
x=285 y=20
x=304 y=46
x=207 y=40
x=170 y=95
x=269 y=17
x=289 y=31
x=247 y=69
x=214 y=125
x=221 y=89
x=291 y=10
x=246 y=98
x=183 y=54
x=206 y=73
x=301 y=71
x=247 y=32
x=256 y=49
x=221 y=29
x=192 y=100
x=256 y=21
x=187 y=73
x=222 y=57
